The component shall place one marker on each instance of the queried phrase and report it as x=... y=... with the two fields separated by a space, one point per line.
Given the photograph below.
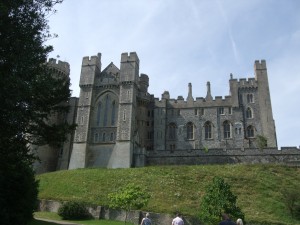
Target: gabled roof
x=111 y=69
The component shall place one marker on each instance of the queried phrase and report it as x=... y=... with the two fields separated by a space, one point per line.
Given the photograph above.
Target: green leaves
x=129 y=197
x=219 y=199
x=30 y=95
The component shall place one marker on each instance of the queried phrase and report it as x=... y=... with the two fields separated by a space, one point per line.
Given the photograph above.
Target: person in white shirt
x=178 y=220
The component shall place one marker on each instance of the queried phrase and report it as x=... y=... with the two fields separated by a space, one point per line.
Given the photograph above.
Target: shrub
x=73 y=211
x=262 y=141
x=291 y=199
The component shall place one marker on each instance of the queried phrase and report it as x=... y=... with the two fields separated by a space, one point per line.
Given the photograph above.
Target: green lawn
x=258 y=187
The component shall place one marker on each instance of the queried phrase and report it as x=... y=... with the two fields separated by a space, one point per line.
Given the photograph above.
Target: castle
x=121 y=125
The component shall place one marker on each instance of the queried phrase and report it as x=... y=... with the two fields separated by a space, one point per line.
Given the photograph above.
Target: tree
x=219 y=199
x=129 y=197
x=29 y=96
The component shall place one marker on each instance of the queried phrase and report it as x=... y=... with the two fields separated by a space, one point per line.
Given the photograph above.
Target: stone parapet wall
x=287 y=156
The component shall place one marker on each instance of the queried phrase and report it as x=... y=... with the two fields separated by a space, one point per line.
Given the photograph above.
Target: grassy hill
x=258 y=187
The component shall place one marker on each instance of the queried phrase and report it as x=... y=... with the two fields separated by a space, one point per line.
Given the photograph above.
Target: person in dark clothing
x=226 y=220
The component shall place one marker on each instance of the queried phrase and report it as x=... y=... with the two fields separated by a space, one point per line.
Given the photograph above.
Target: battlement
x=59 y=65
x=260 y=65
x=144 y=78
x=131 y=57
x=244 y=82
x=200 y=101
x=93 y=60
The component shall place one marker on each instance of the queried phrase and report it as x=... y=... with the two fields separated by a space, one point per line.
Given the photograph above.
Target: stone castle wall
x=286 y=156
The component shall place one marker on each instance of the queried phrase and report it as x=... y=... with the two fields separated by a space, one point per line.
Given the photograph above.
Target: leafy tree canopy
x=29 y=93
x=29 y=96
x=219 y=199
x=129 y=197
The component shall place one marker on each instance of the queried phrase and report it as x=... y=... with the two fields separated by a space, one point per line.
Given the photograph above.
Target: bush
x=73 y=211
x=291 y=199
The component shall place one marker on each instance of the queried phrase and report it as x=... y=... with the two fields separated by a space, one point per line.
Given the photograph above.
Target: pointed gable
x=111 y=70
x=110 y=74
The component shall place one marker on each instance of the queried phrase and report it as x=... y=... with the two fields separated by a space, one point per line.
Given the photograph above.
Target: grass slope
x=172 y=188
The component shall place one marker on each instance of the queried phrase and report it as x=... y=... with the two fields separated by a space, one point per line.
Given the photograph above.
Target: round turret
x=144 y=83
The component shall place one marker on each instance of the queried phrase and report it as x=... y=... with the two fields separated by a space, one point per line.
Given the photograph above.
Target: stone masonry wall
x=286 y=155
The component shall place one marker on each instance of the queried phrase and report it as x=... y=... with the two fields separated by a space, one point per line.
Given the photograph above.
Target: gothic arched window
x=248 y=113
x=250 y=98
x=208 y=130
x=190 y=131
x=227 y=129
x=250 y=131
x=172 y=131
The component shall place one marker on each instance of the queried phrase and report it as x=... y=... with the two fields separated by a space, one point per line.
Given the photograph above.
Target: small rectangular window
x=221 y=110
x=229 y=110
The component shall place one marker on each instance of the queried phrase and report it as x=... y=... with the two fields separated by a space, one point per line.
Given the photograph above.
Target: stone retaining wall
x=100 y=212
x=286 y=155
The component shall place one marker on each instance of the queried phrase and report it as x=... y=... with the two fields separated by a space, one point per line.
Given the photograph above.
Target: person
x=239 y=222
x=178 y=220
x=226 y=220
x=146 y=220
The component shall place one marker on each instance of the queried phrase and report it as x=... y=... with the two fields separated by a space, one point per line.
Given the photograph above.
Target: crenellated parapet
x=59 y=66
x=244 y=82
x=144 y=83
x=260 y=65
x=131 y=57
x=92 y=60
x=199 y=102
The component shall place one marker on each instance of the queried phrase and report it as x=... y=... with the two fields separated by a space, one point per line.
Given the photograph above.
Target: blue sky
x=182 y=41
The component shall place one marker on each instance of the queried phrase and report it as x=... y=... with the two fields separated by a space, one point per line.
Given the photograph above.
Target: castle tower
x=264 y=101
x=129 y=81
x=50 y=156
x=91 y=68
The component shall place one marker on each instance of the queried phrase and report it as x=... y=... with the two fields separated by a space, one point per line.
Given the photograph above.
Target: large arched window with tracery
x=190 y=130
x=172 y=131
x=208 y=130
x=227 y=129
x=99 y=113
